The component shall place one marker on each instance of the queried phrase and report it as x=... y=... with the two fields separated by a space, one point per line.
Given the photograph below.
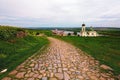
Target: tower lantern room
x=83 y=27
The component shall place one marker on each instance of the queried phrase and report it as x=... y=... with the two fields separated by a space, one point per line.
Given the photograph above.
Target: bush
x=69 y=34
x=37 y=33
x=75 y=33
x=8 y=33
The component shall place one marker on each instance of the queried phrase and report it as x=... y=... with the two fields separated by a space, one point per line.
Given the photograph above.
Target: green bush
x=13 y=54
x=7 y=33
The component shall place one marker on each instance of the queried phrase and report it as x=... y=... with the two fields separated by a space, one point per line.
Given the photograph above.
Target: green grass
x=104 y=49
x=34 y=31
x=13 y=54
x=110 y=32
x=9 y=32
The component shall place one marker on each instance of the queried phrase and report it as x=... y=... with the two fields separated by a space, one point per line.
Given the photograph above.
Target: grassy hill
x=9 y=33
x=16 y=49
x=114 y=33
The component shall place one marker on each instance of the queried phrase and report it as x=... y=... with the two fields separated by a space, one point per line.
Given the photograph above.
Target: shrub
x=8 y=33
x=69 y=34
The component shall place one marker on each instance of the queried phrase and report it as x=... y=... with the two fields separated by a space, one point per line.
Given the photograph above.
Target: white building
x=85 y=33
x=62 y=32
x=58 y=32
x=68 y=33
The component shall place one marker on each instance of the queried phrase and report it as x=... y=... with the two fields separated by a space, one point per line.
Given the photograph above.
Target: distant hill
x=106 y=28
x=73 y=28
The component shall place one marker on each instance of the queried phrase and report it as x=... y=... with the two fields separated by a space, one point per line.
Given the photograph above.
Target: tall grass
x=13 y=53
x=7 y=32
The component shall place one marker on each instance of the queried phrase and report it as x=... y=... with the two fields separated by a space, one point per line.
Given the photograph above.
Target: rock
x=29 y=71
x=92 y=62
x=65 y=69
x=30 y=79
x=52 y=79
x=77 y=72
x=59 y=70
x=44 y=74
x=59 y=75
x=13 y=72
x=27 y=75
x=104 y=75
x=118 y=77
x=35 y=75
x=66 y=76
x=22 y=69
x=44 y=78
x=20 y=75
x=59 y=65
x=68 y=72
x=84 y=69
x=42 y=71
x=36 y=66
x=31 y=74
x=72 y=69
x=102 y=78
x=40 y=76
x=32 y=65
x=93 y=78
x=54 y=70
x=64 y=65
x=106 y=67
x=81 y=77
x=113 y=78
x=6 y=78
x=49 y=68
x=51 y=74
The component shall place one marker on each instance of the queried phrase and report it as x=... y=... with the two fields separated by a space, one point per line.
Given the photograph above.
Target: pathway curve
x=61 y=61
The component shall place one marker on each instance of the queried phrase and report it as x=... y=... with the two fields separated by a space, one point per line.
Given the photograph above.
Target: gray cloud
x=60 y=12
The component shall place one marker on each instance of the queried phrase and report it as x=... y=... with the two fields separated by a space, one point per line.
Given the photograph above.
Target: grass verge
x=104 y=49
x=13 y=54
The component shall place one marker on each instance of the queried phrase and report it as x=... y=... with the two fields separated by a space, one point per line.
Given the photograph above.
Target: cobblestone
x=61 y=60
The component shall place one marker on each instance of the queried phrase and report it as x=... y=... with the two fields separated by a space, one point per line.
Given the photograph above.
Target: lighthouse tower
x=83 y=31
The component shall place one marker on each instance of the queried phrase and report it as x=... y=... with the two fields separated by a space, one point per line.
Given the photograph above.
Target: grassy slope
x=104 y=49
x=110 y=32
x=11 y=55
x=46 y=32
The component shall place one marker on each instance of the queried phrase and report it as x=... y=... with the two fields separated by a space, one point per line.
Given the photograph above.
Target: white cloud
x=60 y=11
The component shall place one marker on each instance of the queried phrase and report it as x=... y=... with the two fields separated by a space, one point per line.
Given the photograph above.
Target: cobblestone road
x=61 y=61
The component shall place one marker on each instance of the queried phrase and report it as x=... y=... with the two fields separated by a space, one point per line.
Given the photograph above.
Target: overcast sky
x=64 y=13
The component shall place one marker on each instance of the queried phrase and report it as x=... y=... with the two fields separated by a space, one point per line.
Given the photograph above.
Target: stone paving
x=61 y=61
